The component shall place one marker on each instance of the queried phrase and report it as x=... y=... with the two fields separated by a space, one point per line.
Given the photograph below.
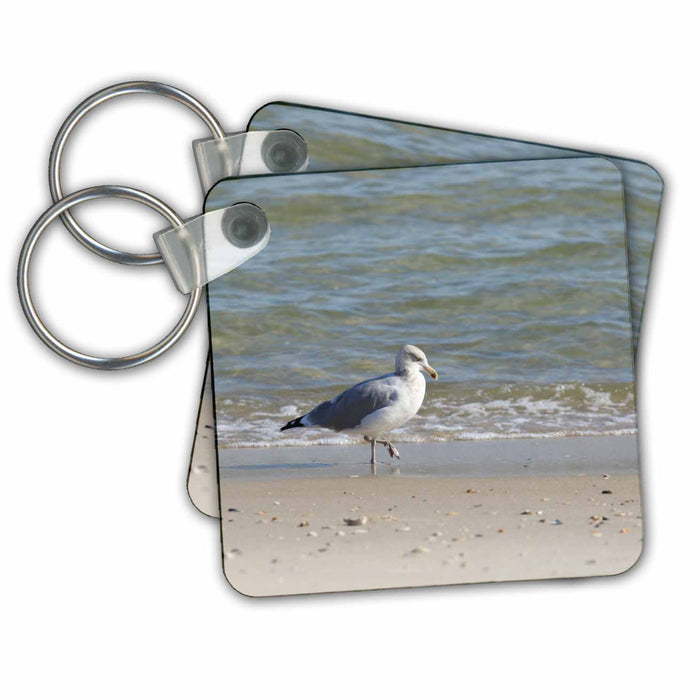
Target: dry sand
x=285 y=536
x=202 y=483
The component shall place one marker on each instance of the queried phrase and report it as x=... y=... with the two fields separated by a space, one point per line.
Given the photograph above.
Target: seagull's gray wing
x=347 y=410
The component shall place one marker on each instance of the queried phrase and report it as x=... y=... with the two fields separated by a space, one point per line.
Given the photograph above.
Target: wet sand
x=552 y=456
x=352 y=533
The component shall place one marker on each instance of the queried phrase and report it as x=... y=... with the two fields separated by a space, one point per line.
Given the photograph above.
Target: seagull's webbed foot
x=393 y=452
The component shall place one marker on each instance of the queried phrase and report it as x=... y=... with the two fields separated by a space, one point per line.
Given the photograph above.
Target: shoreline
x=558 y=456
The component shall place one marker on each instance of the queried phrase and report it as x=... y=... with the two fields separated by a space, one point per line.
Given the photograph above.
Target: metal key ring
x=28 y=305
x=108 y=93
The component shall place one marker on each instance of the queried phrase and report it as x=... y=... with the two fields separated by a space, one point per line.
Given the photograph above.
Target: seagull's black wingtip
x=296 y=423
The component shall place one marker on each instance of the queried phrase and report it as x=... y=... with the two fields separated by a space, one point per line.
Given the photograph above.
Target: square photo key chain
x=336 y=140
x=509 y=281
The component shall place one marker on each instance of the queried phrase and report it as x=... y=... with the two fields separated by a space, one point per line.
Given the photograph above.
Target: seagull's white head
x=410 y=357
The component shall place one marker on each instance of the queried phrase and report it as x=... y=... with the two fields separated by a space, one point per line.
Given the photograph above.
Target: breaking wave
x=450 y=412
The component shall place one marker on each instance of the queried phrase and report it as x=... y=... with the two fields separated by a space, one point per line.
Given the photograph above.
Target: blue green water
x=343 y=141
x=512 y=277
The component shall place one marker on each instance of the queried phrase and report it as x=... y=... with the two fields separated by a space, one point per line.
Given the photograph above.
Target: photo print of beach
x=488 y=305
x=345 y=141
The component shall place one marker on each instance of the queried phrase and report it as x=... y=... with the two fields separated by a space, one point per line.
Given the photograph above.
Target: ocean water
x=512 y=277
x=344 y=141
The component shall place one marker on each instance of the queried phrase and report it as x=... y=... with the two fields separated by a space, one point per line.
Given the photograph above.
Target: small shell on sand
x=355 y=521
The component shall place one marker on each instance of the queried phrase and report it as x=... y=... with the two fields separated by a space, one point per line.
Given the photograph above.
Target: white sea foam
x=340 y=439
x=505 y=412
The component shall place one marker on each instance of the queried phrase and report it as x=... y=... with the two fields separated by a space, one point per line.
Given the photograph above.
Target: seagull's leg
x=373 y=461
x=393 y=452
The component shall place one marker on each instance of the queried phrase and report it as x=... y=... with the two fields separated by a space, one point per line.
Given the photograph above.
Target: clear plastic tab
x=211 y=245
x=249 y=153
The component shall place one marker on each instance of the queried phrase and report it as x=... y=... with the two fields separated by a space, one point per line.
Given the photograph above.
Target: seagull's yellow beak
x=433 y=373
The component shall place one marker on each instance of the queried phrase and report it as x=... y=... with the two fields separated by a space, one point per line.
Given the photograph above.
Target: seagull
x=376 y=406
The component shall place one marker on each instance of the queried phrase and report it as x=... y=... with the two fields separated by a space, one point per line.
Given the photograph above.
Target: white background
x=111 y=583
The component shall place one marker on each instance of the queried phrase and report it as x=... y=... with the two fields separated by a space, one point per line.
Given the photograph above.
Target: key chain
x=344 y=463
x=394 y=252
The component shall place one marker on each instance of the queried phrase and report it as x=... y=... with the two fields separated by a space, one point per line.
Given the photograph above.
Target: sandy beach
x=202 y=482
x=352 y=531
